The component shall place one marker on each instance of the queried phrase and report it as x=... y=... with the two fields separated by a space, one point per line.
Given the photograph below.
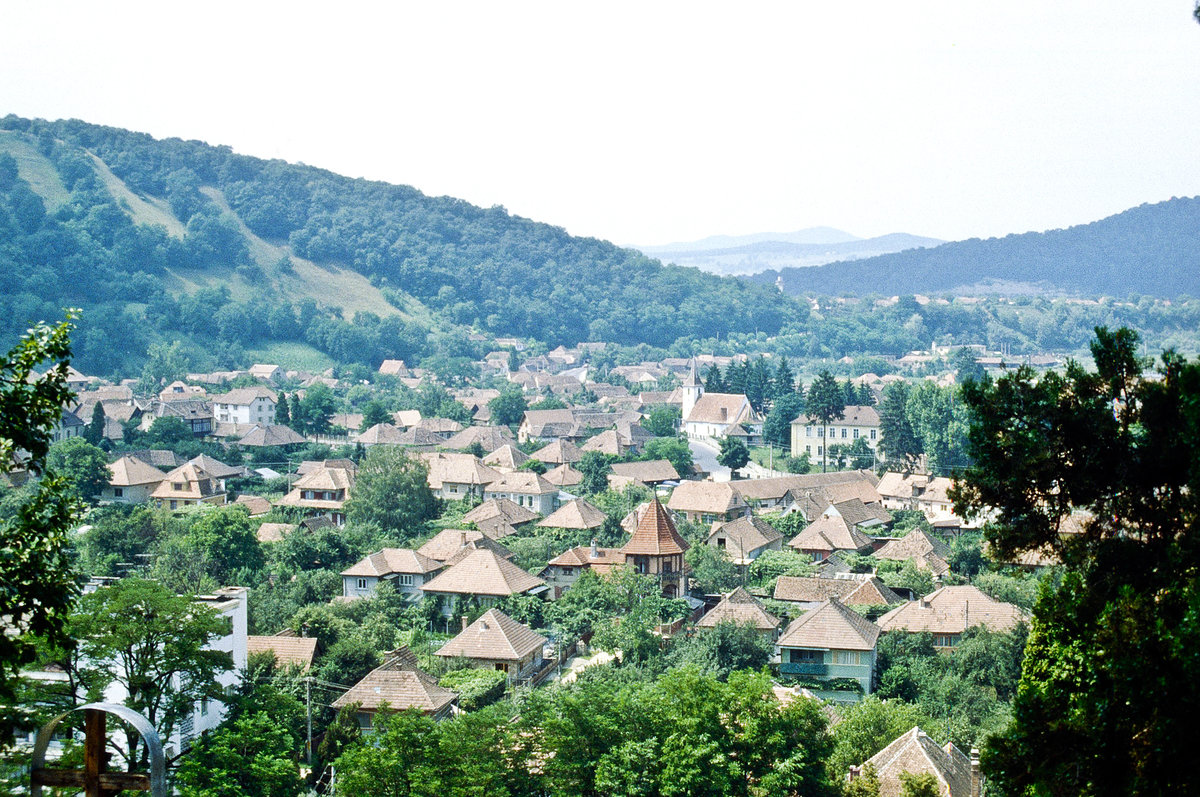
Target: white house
x=858 y=422
x=246 y=405
x=405 y=570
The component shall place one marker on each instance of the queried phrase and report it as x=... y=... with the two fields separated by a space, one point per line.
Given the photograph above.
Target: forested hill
x=1151 y=250
x=167 y=239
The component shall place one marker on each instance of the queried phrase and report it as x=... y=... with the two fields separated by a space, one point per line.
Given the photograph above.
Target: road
x=705 y=456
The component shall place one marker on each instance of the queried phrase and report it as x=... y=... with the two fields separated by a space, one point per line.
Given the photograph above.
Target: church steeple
x=692 y=389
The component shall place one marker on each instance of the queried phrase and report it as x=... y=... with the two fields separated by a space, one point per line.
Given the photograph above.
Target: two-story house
x=831 y=641
x=497 y=642
x=708 y=502
x=656 y=549
x=858 y=422
x=246 y=405
x=406 y=570
x=524 y=488
x=323 y=491
x=132 y=481
x=187 y=485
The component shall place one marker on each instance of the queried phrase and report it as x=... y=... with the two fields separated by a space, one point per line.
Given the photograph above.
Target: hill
x=168 y=239
x=770 y=251
x=1151 y=250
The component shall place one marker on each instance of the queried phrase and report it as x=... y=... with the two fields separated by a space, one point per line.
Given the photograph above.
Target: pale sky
x=656 y=122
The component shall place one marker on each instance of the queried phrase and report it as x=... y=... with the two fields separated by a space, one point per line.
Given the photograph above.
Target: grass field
x=291 y=356
x=35 y=169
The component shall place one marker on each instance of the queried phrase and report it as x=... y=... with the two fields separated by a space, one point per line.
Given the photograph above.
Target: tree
x=713 y=383
x=164 y=365
x=826 y=402
x=94 y=433
x=1105 y=696
x=374 y=413
x=966 y=367
x=777 y=428
x=866 y=728
x=391 y=492
x=940 y=423
x=721 y=650
x=316 y=408
x=283 y=415
x=160 y=662
x=249 y=755
x=508 y=408
x=712 y=569
x=168 y=432
x=733 y=454
x=594 y=466
x=673 y=450
x=40 y=582
x=784 y=381
x=662 y=420
x=83 y=465
x=897 y=440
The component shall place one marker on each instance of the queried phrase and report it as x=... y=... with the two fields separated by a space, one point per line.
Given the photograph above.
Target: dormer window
x=177 y=486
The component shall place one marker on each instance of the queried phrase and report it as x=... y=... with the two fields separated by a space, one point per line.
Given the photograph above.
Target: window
x=850 y=657
x=843 y=432
x=568 y=571
x=807 y=656
x=362 y=583
x=808 y=431
x=174 y=504
x=501 y=666
x=405 y=579
x=177 y=486
x=944 y=640
x=808 y=449
x=118 y=491
x=872 y=434
x=720 y=542
x=821 y=432
x=855 y=434
x=819 y=451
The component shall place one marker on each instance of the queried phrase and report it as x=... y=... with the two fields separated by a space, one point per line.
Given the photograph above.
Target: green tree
x=783 y=383
x=374 y=413
x=160 y=661
x=922 y=784
x=777 y=428
x=825 y=402
x=40 y=582
x=248 y=756
x=1103 y=697
x=712 y=569
x=733 y=454
x=594 y=466
x=940 y=424
x=508 y=408
x=966 y=367
x=164 y=365
x=283 y=415
x=867 y=727
x=316 y=408
x=723 y=649
x=391 y=492
x=662 y=420
x=168 y=432
x=83 y=465
x=94 y=433
x=673 y=450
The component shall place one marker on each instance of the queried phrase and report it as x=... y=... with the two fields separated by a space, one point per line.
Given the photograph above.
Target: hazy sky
x=654 y=122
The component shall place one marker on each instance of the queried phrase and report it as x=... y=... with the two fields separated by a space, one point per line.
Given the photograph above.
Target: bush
x=476 y=688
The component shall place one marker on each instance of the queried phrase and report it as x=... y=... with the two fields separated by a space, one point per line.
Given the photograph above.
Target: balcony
x=816 y=669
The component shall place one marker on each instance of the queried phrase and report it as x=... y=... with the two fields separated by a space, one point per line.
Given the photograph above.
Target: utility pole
x=308 y=716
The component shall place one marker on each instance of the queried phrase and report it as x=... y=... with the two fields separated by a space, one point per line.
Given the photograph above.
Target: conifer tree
x=282 y=414
x=94 y=433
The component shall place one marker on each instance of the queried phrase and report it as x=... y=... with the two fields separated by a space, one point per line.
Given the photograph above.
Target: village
x=817 y=565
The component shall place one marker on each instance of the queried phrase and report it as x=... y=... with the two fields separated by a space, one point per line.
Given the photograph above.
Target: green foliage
x=215 y=544
x=770 y=565
x=825 y=402
x=712 y=569
x=923 y=784
x=940 y=425
x=164 y=364
x=1103 y=693
x=777 y=428
x=508 y=408
x=1014 y=587
x=595 y=467
x=94 y=433
x=868 y=726
x=374 y=412
x=662 y=420
x=672 y=449
x=391 y=492
x=312 y=413
x=733 y=454
x=476 y=688
x=721 y=650
x=82 y=465
x=247 y=756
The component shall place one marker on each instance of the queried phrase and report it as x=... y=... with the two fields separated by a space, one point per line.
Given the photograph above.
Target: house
x=188 y=485
x=248 y=405
x=450 y=545
x=548 y=425
x=564 y=570
x=656 y=549
x=607 y=442
x=398 y=684
x=710 y=415
x=916 y=753
x=270 y=436
x=323 y=491
x=578 y=514
x=196 y=414
x=828 y=533
x=489 y=438
x=948 y=612
x=745 y=539
x=256 y=505
x=926 y=494
x=500 y=509
x=563 y=477
x=287 y=650
x=854 y=589
x=267 y=373
x=393 y=368
x=506 y=459
x=132 y=481
x=651 y=472
x=381 y=434
x=454 y=477
x=524 y=488
x=69 y=425
x=559 y=452
x=497 y=642
x=181 y=390
x=857 y=422
x=407 y=571
x=927 y=551
x=742 y=608
x=218 y=469
x=708 y=502
x=831 y=641
x=484 y=577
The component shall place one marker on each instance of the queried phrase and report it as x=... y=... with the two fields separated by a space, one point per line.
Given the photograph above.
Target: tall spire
x=693 y=378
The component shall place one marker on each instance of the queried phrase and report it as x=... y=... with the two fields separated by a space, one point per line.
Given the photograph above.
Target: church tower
x=692 y=390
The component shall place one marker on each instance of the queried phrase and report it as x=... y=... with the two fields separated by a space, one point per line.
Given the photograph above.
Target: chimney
x=595 y=553
x=462 y=539
x=976 y=776
x=464 y=622
x=924 y=601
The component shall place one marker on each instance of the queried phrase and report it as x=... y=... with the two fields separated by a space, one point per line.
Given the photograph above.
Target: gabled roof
x=712 y=497
x=274 y=532
x=925 y=549
x=286 y=649
x=448 y=542
x=650 y=471
x=558 y=452
x=607 y=442
x=655 y=534
x=128 y=471
x=387 y=561
x=868 y=591
x=381 y=434
x=275 y=435
x=563 y=476
x=245 y=396
x=577 y=514
x=482 y=572
x=858 y=513
x=831 y=626
x=523 y=482
x=485 y=542
x=744 y=535
x=726 y=408
x=326 y=478
x=216 y=468
x=458 y=469
x=740 y=607
x=196 y=483
x=494 y=637
x=952 y=610
x=830 y=533
x=507 y=456
x=489 y=438
x=400 y=684
x=255 y=503
x=852 y=415
x=581 y=556
x=509 y=511
x=917 y=753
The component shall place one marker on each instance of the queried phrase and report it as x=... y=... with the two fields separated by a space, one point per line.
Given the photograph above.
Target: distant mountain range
x=751 y=254
x=1153 y=249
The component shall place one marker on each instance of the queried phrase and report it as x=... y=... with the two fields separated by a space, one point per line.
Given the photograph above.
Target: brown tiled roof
x=563 y=476
x=522 y=481
x=581 y=556
x=216 y=468
x=197 y=484
x=744 y=535
x=830 y=533
x=458 y=469
x=275 y=435
x=489 y=437
x=287 y=649
x=952 y=610
x=558 y=452
x=496 y=528
x=924 y=549
x=483 y=543
x=128 y=471
x=577 y=514
x=739 y=607
x=852 y=591
x=482 y=572
x=326 y=478
x=386 y=561
x=159 y=458
x=448 y=543
x=852 y=415
x=655 y=534
x=508 y=457
x=381 y=434
x=857 y=513
x=648 y=472
x=714 y=497
x=607 y=442
x=727 y=408
x=509 y=511
x=255 y=503
x=274 y=532
x=400 y=684
x=495 y=637
x=917 y=753
x=832 y=626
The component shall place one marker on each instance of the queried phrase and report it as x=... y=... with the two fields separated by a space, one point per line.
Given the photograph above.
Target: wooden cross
x=92 y=779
